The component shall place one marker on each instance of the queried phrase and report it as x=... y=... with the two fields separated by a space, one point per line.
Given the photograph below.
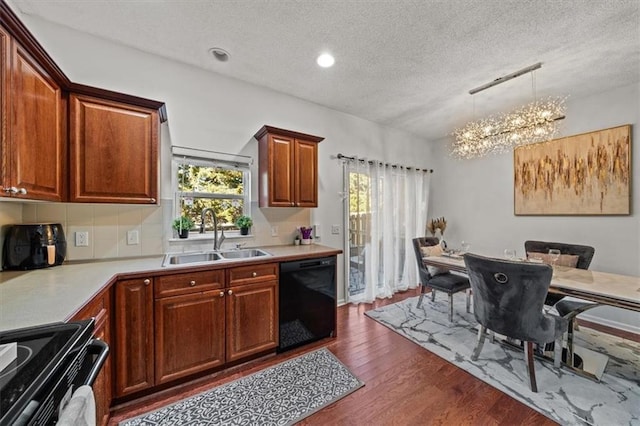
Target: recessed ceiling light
x=325 y=60
x=220 y=54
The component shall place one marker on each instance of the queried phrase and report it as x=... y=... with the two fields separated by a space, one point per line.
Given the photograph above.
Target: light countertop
x=41 y=296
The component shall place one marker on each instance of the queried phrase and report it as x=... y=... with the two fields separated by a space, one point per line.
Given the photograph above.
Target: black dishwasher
x=307 y=301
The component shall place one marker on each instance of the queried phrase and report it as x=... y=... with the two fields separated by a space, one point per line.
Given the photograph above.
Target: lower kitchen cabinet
x=252 y=319
x=189 y=323
x=173 y=326
x=99 y=308
x=134 y=345
x=189 y=334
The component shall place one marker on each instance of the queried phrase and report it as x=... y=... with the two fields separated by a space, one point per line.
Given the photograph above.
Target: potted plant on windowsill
x=183 y=224
x=244 y=223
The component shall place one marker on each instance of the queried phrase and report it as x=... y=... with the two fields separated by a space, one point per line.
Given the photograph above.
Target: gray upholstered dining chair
x=442 y=280
x=568 y=308
x=507 y=299
x=583 y=255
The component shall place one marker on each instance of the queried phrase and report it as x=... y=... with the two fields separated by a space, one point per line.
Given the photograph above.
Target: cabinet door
x=114 y=152
x=252 y=319
x=35 y=151
x=281 y=168
x=134 y=336
x=99 y=308
x=306 y=174
x=189 y=334
x=5 y=181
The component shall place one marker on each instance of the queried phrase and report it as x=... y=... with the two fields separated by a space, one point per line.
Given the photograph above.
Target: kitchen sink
x=211 y=256
x=243 y=254
x=182 y=258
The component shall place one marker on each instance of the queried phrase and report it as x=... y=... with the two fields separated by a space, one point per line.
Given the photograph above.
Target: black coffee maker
x=34 y=246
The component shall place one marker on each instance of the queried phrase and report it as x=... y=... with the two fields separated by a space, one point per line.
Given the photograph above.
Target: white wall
x=212 y=112
x=476 y=197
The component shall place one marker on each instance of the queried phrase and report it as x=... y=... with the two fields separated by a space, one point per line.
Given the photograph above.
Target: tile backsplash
x=107 y=226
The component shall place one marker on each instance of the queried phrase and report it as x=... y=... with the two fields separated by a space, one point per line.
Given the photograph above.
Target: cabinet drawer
x=252 y=273
x=190 y=282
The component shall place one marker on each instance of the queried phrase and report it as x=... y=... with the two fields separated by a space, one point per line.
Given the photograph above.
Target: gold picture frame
x=586 y=174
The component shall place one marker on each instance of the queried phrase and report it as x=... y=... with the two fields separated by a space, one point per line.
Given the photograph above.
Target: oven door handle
x=100 y=348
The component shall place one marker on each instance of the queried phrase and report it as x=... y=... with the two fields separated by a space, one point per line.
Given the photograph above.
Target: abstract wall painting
x=586 y=174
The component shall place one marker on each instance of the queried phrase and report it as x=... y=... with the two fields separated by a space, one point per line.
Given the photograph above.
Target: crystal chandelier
x=531 y=123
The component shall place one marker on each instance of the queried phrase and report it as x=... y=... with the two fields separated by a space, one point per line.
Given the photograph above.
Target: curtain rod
x=341 y=156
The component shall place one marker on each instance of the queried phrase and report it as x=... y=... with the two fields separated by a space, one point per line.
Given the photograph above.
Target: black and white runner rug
x=562 y=395
x=279 y=395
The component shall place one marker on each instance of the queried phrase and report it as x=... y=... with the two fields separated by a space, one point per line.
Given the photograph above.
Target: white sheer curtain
x=390 y=206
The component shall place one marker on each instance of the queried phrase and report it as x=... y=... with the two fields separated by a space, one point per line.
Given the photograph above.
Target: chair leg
x=468 y=300
x=481 y=333
x=422 y=291
x=433 y=295
x=570 y=342
x=450 y=307
x=557 y=352
x=528 y=356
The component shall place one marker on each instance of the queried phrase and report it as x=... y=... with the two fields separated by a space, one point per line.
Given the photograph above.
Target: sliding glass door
x=387 y=207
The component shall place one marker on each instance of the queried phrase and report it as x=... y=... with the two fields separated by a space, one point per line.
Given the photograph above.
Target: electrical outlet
x=133 y=237
x=335 y=229
x=82 y=239
x=274 y=231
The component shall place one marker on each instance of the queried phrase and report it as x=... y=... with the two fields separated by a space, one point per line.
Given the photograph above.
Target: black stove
x=53 y=360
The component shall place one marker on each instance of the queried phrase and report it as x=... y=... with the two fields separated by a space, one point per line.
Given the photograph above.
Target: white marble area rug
x=563 y=396
x=279 y=395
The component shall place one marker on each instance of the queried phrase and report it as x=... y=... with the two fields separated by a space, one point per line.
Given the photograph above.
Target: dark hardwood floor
x=404 y=383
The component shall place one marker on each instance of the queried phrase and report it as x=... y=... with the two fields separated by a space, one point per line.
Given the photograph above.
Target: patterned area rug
x=563 y=396
x=279 y=395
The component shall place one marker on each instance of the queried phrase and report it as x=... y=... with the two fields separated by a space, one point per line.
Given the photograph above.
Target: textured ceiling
x=405 y=64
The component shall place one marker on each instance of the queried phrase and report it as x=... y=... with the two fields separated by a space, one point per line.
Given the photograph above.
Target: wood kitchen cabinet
x=134 y=331
x=99 y=308
x=33 y=146
x=63 y=141
x=189 y=326
x=113 y=151
x=288 y=168
x=252 y=310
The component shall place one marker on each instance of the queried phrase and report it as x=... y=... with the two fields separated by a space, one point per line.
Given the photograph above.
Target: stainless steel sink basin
x=243 y=254
x=182 y=258
x=211 y=256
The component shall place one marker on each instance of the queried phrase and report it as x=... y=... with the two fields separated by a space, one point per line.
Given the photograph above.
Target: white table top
x=622 y=291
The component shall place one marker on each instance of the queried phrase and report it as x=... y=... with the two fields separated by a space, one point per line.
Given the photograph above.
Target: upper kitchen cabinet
x=64 y=141
x=113 y=151
x=288 y=168
x=33 y=148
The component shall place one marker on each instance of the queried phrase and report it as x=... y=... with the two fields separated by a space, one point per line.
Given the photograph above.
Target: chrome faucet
x=216 y=243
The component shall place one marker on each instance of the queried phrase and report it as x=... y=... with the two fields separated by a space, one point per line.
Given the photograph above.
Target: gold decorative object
x=586 y=174
x=437 y=224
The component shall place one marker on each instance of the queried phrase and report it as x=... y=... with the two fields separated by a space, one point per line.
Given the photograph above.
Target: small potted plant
x=244 y=223
x=306 y=234
x=183 y=224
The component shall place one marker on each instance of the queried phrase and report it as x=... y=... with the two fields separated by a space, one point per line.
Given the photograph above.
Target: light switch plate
x=274 y=231
x=335 y=229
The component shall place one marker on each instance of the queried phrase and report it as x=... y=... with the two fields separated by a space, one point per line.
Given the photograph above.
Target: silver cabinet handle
x=152 y=200
x=255 y=274
x=147 y=281
x=230 y=292
x=192 y=283
x=14 y=190
x=222 y=294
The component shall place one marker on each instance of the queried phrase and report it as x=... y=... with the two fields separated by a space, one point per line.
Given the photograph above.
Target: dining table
x=603 y=288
